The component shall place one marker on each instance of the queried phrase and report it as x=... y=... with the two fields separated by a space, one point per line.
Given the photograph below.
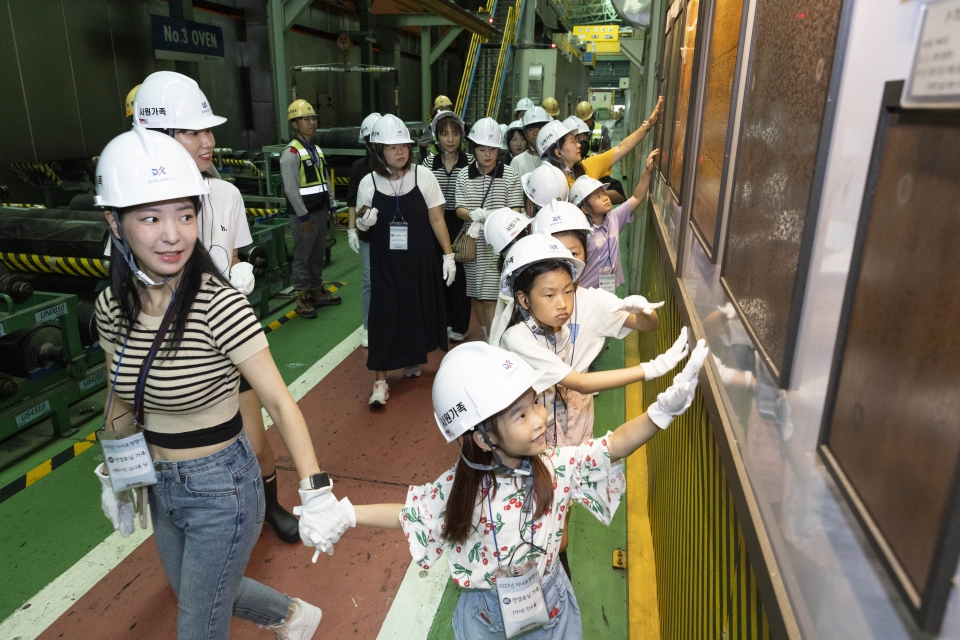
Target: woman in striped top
x=446 y=166
x=207 y=506
x=484 y=186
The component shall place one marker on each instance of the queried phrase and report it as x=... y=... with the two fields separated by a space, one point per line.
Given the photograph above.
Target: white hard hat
x=523 y=104
x=583 y=187
x=486 y=132
x=169 y=100
x=576 y=123
x=560 y=216
x=367 y=125
x=534 y=248
x=502 y=226
x=142 y=166
x=503 y=137
x=476 y=381
x=440 y=116
x=390 y=129
x=515 y=125
x=545 y=184
x=536 y=115
x=550 y=134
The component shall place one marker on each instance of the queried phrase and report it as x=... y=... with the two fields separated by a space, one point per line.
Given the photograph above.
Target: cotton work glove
x=241 y=277
x=353 y=240
x=639 y=304
x=665 y=362
x=118 y=507
x=322 y=519
x=479 y=215
x=679 y=396
x=367 y=220
x=449 y=271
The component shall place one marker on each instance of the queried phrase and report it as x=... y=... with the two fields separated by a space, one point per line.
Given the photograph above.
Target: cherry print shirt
x=581 y=474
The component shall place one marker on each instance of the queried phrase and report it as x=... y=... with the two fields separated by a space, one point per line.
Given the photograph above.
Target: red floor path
x=371 y=456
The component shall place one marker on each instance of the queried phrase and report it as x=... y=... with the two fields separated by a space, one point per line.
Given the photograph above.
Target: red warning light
x=553 y=46
x=491 y=20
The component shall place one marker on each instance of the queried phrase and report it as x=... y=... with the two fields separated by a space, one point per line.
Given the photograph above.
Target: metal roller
x=31 y=348
x=55 y=214
x=87 y=322
x=339 y=138
x=257 y=257
x=16 y=286
x=55 y=237
x=8 y=388
x=84 y=267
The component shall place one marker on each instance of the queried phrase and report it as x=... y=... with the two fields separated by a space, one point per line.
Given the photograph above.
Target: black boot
x=282 y=521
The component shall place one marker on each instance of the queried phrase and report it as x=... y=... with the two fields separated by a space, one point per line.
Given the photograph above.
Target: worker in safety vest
x=309 y=199
x=600 y=137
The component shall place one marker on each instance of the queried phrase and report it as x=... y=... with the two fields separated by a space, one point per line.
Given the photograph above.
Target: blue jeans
x=207 y=514
x=365 y=287
x=477 y=614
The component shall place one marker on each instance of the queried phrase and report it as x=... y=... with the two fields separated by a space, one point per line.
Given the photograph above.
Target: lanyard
x=397 y=194
x=483 y=177
x=312 y=150
x=525 y=509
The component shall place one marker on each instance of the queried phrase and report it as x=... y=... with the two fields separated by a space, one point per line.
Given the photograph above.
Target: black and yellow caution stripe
x=23 y=169
x=68 y=266
x=45 y=467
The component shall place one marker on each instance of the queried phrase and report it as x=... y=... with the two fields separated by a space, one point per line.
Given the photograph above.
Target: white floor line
x=415 y=605
x=38 y=613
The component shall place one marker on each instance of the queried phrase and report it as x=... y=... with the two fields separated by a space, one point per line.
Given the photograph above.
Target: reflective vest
x=596 y=139
x=313 y=179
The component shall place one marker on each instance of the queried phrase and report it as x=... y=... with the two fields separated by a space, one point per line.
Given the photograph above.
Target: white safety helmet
x=576 y=123
x=503 y=137
x=583 y=187
x=486 y=132
x=536 y=115
x=440 y=116
x=545 y=184
x=516 y=125
x=550 y=134
x=390 y=129
x=503 y=226
x=367 y=126
x=169 y=100
x=142 y=166
x=523 y=104
x=476 y=381
x=536 y=247
x=560 y=216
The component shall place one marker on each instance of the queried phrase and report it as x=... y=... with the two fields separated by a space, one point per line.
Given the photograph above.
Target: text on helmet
x=451 y=414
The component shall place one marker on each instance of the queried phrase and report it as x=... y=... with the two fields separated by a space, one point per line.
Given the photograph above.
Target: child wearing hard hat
x=604 y=268
x=543 y=185
x=499 y=513
x=523 y=105
x=515 y=139
x=533 y=120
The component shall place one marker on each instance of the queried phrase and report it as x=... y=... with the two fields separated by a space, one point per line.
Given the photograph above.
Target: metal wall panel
x=15 y=138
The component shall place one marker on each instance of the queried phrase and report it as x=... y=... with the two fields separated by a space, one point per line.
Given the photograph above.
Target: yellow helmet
x=584 y=110
x=442 y=101
x=551 y=107
x=130 y=97
x=298 y=109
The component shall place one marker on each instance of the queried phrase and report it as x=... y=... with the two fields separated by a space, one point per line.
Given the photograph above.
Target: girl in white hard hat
x=484 y=186
x=401 y=204
x=174 y=104
x=501 y=230
x=543 y=185
x=500 y=511
x=603 y=268
x=533 y=120
x=177 y=337
x=446 y=166
x=516 y=141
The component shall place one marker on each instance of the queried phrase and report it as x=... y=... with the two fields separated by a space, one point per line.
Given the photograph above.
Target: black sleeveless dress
x=407 y=312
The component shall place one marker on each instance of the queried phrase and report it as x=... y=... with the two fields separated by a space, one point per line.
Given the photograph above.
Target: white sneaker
x=381 y=392
x=412 y=372
x=363 y=341
x=453 y=336
x=302 y=624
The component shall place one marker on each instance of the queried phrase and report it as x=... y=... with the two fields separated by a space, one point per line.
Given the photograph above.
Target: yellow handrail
x=469 y=65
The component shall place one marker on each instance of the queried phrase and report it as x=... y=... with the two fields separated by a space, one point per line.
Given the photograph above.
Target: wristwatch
x=316 y=481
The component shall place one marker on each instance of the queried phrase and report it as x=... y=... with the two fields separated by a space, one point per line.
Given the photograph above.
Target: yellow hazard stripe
x=259 y=213
x=38 y=472
x=69 y=266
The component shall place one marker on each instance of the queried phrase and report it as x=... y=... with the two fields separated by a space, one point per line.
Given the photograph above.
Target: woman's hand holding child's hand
x=322 y=519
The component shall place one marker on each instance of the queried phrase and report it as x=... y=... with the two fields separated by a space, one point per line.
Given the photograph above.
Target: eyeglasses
x=312 y=119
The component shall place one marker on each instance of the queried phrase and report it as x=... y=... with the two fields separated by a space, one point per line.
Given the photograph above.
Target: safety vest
x=313 y=179
x=596 y=139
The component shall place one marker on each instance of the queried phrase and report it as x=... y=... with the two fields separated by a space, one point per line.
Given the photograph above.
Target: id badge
x=520 y=594
x=398 y=236
x=608 y=282
x=127 y=458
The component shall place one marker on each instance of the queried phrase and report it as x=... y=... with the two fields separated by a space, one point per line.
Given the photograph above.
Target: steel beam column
x=444 y=42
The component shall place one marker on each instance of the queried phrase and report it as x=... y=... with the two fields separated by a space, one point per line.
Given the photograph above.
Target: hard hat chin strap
x=525 y=470
x=121 y=245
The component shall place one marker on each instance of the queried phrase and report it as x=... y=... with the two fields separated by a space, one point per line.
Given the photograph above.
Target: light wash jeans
x=207 y=514
x=477 y=614
x=365 y=287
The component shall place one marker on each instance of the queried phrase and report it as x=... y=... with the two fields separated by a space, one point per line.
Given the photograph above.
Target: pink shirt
x=603 y=248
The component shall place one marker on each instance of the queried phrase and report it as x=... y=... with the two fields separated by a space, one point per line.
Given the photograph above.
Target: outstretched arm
x=629 y=143
x=643 y=185
x=383 y=516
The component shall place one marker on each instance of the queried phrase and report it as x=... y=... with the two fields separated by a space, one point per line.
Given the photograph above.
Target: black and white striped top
x=196 y=387
x=447 y=180
x=499 y=188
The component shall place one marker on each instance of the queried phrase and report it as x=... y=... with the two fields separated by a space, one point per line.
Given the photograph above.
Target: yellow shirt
x=596 y=166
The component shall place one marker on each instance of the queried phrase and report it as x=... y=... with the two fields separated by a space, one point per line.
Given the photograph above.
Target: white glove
x=118 y=507
x=679 y=396
x=728 y=374
x=474 y=229
x=322 y=519
x=353 y=240
x=241 y=277
x=639 y=304
x=666 y=361
x=449 y=271
x=367 y=220
x=479 y=215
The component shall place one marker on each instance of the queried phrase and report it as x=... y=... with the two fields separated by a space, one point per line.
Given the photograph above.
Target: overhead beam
x=445 y=41
x=397 y=20
x=460 y=17
x=292 y=10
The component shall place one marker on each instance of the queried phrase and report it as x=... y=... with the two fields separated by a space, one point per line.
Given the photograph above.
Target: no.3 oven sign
x=175 y=39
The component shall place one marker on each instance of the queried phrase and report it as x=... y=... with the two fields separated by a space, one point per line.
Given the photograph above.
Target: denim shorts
x=477 y=614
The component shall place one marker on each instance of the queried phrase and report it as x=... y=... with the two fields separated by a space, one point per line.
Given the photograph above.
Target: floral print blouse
x=581 y=474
